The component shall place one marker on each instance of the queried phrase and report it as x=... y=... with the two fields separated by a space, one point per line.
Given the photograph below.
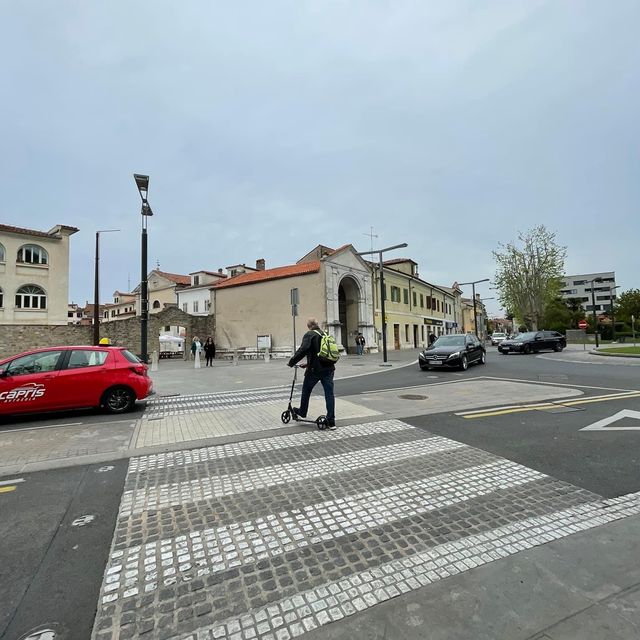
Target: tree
x=628 y=304
x=529 y=276
x=556 y=315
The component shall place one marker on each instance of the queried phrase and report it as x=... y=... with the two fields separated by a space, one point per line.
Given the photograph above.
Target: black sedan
x=453 y=351
x=532 y=342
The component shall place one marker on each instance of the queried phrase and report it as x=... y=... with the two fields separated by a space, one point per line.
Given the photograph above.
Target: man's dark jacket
x=310 y=347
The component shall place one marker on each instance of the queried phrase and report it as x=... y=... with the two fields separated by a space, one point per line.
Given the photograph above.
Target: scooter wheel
x=322 y=423
x=285 y=417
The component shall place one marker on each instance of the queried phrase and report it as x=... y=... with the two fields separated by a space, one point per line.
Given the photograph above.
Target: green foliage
x=628 y=305
x=528 y=275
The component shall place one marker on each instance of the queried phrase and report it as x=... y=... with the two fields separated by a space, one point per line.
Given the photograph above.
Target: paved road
x=273 y=527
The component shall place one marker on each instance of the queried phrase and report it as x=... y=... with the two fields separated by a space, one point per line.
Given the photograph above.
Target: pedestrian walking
x=196 y=345
x=432 y=338
x=316 y=370
x=360 y=342
x=209 y=351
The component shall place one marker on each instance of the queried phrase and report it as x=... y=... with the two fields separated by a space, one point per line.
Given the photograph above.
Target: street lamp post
x=613 y=315
x=593 y=310
x=96 y=288
x=382 y=310
x=142 y=182
x=473 y=286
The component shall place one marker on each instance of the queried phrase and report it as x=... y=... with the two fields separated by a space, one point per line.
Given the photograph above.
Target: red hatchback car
x=72 y=378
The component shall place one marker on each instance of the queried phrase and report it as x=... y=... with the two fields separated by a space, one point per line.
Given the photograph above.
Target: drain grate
x=412 y=396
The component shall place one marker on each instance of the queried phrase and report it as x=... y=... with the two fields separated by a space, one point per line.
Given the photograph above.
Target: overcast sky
x=270 y=127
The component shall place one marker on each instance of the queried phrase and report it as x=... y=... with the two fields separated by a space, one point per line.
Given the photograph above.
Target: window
x=34 y=363
x=207 y=305
x=422 y=332
x=437 y=305
x=167 y=328
x=196 y=281
x=405 y=296
x=185 y=307
x=113 y=313
x=32 y=254
x=421 y=301
x=395 y=294
x=1 y=299
x=156 y=304
x=2 y=254
x=415 y=299
x=85 y=358
x=406 y=332
x=195 y=306
x=30 y=296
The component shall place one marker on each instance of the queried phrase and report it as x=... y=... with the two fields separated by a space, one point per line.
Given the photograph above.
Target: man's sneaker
x=295 y=413
x=331 y=425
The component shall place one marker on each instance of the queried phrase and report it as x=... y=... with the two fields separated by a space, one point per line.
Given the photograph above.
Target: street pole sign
x=295 y=301
x=582 y=324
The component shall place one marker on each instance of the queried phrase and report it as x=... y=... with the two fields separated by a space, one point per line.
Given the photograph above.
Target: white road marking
x=603 y=425
x=67 y=424
x=14 y=481
x=556 y=384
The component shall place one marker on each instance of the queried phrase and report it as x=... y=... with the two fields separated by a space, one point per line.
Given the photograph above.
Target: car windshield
x=529 y=335
x=449 y=341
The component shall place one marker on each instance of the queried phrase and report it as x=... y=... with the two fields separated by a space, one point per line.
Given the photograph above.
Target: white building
x=34 y=275
x=196 y=299
x=579 y=287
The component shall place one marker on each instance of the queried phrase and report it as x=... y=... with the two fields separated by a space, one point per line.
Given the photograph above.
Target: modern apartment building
x=578 y=287
x=34 y=275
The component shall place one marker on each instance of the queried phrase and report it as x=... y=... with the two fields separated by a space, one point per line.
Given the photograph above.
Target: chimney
x=260 y=264
x=219 y=270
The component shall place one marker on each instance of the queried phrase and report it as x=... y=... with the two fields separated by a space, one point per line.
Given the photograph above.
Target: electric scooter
x=321 y=421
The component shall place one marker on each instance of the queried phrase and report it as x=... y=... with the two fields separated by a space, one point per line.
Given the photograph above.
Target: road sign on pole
x=295 y=301
x=582 y=324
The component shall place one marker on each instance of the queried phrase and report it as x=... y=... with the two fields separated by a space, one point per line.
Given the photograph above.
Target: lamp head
x=142 y=182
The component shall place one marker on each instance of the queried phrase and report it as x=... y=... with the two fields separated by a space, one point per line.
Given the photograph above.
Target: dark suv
x=533 y=341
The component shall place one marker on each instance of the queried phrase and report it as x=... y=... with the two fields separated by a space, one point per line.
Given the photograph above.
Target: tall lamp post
x=96 y=288
x=473 y=285
x=142 y=182
x=613 y=315
x=593 y=309
x=382 y=310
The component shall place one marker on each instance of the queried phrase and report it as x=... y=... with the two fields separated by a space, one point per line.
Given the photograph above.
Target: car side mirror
x=4 y=373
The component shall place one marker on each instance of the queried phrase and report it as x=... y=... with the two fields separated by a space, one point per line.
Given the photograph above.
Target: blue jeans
x=359 y=349
x=311 y=379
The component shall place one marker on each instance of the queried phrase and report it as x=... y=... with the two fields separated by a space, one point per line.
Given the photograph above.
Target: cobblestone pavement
x=169 y=420
x=273 y=538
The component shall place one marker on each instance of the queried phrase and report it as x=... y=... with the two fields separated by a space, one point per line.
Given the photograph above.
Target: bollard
x=154 y=361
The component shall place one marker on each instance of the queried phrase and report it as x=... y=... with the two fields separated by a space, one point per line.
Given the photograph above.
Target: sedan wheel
x=118 y=400
x=526 y=350
x=464 y=364
x=557 y=347
x=483 y=358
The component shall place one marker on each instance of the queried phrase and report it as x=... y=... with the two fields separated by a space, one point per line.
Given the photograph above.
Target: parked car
x=497 y=337
x=456 y=351
x=72 y=378
x=533 y=341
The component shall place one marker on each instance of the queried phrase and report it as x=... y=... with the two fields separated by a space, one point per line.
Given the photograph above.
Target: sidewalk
x=180 y=376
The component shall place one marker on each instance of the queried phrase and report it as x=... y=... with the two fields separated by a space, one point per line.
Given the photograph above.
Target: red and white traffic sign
x=582 y=324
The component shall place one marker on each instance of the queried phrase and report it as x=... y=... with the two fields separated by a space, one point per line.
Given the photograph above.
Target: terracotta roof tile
x=174 y=277
x=270 y=274
x=27 y=232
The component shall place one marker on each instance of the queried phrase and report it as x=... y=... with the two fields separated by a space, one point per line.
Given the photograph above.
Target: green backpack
x=328 y=347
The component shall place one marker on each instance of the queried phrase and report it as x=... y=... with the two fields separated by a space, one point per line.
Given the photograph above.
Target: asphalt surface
x=56 y=528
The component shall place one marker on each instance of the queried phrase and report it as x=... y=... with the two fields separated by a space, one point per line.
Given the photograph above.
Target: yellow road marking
x=549 y=405
x=8 y=488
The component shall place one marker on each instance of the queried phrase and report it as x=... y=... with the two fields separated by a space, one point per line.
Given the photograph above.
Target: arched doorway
x=348 y=305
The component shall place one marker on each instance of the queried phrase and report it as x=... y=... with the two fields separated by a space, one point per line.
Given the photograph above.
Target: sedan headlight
x=454 y=355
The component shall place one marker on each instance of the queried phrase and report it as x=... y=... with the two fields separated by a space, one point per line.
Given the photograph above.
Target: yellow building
x=414 y=308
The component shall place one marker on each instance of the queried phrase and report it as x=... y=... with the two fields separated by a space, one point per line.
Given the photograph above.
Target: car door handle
x=48 y=377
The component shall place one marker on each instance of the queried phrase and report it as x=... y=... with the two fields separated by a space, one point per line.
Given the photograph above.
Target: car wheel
x=483 y=358
x=464 y=363
x=118 y=400
x=526 y=350
x=557 y=347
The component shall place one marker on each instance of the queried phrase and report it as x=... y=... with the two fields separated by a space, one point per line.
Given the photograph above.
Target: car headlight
x=454 y=355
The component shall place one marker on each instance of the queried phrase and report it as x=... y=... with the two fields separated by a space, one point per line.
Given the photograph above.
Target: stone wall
x=125 y=333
